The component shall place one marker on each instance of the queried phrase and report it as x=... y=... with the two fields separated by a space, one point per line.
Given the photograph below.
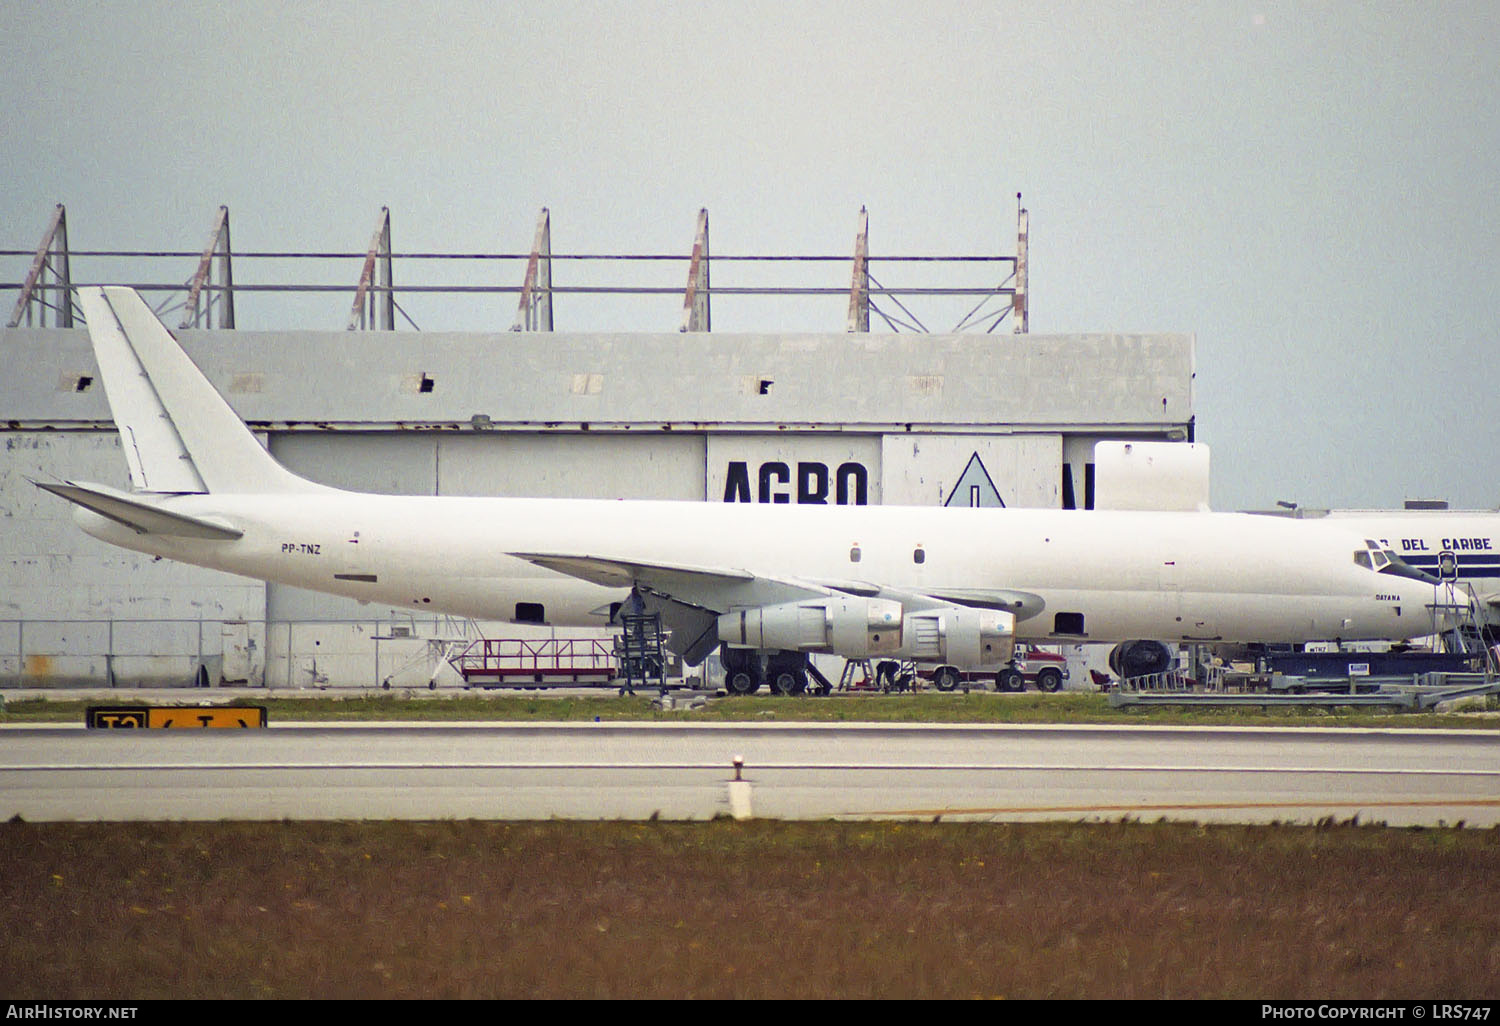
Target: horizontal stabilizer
x=138 y=513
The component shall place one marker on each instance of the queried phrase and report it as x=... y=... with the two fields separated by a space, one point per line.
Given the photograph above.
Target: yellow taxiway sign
x=176 y=716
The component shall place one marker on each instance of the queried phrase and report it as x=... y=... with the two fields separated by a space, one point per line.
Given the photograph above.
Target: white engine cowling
x=855 y=628
x=962 y=637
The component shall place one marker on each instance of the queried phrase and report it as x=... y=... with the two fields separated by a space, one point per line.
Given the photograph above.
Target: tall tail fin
x=178 y=433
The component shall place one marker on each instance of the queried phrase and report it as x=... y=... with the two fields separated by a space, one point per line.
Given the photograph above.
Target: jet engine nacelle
x=1139 y=658
x=962 y=637
x=855 y=628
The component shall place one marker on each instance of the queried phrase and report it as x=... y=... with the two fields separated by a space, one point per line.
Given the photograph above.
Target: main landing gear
x=787 y=673
x=743 y=673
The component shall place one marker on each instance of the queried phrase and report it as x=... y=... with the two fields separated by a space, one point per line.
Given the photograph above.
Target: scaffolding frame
x=49 y=282
x=204 y=294
x=208 y=295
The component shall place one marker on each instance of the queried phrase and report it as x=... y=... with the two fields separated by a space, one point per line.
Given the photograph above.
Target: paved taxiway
x=682 y=771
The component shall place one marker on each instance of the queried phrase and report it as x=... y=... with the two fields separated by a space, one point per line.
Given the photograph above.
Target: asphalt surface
x=791 y=771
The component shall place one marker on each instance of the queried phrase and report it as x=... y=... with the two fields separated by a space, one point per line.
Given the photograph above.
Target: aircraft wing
x=690 y=598
x=711 y=588
x=1023 y=605
x=722 y=588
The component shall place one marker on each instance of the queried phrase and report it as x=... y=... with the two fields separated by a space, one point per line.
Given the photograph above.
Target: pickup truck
x=1047 y=670
x=1032 y=665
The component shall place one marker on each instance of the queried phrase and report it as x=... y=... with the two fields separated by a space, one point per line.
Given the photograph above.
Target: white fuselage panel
x=1173 y=576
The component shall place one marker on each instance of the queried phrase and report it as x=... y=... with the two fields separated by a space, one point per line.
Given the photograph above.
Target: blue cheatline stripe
x=1485 y=561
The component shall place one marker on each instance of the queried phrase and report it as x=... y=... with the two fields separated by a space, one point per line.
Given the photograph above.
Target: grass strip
x=975 y=707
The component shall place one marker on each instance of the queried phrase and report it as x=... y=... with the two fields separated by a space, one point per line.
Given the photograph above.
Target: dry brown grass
x=758 y=910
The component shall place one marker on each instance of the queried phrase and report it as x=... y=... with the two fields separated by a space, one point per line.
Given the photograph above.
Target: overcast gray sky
x=1309 y=188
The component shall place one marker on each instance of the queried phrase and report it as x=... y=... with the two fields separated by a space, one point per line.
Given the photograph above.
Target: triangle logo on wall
x=974 y=487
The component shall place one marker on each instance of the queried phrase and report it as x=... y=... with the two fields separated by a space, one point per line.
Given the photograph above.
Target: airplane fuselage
x=1104 y=576
x=1426 y=538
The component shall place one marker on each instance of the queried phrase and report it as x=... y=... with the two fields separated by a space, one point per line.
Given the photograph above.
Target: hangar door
x=500 y=463
x=504 y=463
x=964 y=470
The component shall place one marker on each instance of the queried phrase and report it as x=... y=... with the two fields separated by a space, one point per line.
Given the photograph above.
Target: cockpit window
x=1382 y=560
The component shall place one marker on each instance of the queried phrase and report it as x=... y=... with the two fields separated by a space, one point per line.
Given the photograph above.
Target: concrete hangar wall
x=828 y=418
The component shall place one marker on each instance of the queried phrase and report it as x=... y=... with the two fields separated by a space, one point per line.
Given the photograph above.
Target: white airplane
x=1461 y=545
x=1458 y=546
x=954 y=587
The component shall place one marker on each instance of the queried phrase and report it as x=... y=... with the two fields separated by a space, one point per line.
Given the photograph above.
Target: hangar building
x=968 y=418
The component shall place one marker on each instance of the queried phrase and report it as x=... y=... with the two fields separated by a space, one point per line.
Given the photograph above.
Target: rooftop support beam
x=51 y=262
x=859 y=288
x=695 y=310
x=535 y=310
x=199 y=309
x=1013 y=288
x=1020 y=309
x=375 y=299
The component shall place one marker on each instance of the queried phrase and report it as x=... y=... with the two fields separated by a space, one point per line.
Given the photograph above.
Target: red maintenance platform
x=517 y=662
